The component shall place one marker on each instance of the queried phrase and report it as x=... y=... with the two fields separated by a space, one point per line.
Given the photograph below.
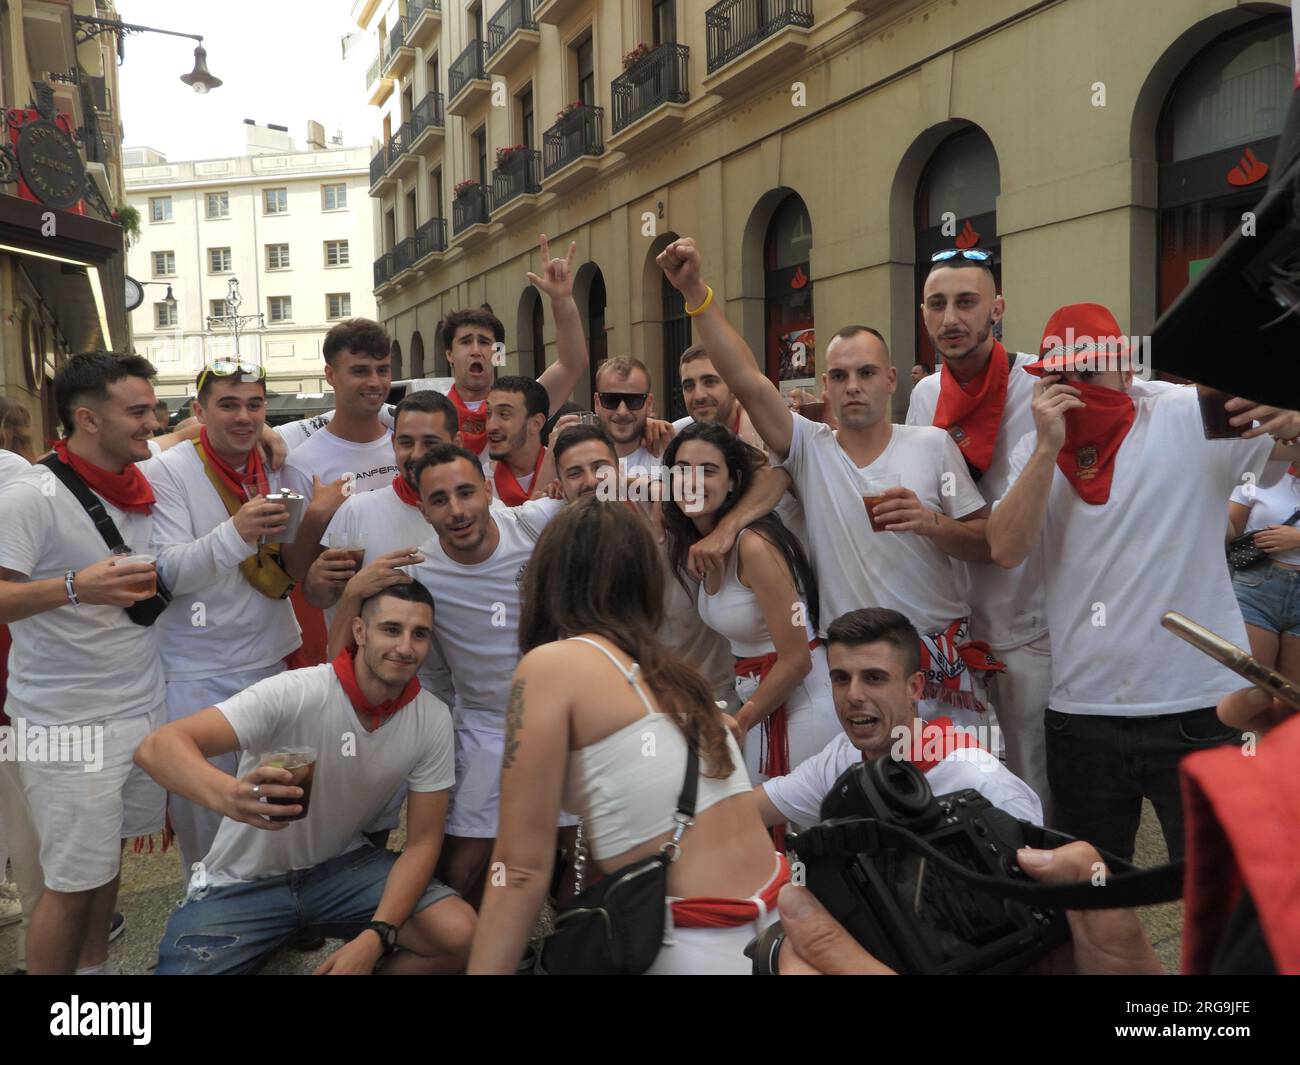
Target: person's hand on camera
x=1282 y=425
x=245 y=804
x=108 y=583
x=260 y=518
x=1102 y=942
x=816 y=944
x=383 y=572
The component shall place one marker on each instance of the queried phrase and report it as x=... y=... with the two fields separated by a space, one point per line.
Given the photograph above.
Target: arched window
x=788 y=296
x=956 y=207
x=441 y=367
x=397 y=361
x=1217 y=137
x=418 y=369
x=677 y=338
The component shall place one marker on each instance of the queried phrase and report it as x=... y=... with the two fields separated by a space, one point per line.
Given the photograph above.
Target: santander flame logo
x=799 y=279
x=1248 y=170
x=967 y=238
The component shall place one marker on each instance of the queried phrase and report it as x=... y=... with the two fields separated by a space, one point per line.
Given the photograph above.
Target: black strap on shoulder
x=1116 y=890
x=89 y=502
x=690 y=786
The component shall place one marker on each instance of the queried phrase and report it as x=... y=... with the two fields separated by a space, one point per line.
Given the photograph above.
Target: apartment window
x=218 y=204
x=164 y=263
x=219 y=261
x=431 y=74
x=526 y=118
x=476 y=21
x=277 y=257
x=334 y=197
x=435 y=185
x=663 y=21
x=160 y=208
x=480 y=149
x=280 y=308
x=164 y=315
x=275 y=201
x=338 y=305
x=218 y=309
x=586 y=71
x=336 y=253
x=410 y=213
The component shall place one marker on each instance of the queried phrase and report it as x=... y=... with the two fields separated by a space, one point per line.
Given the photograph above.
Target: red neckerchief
x=939 y=736
x=473 y=424
x=1093 y=437
x=971 y=413
x=710 y=912
x=1294 y=469
x=128 y=490
x=774 y=746
x=405 y=492
x=229 y=476
x=345 y=670
x=507 y=485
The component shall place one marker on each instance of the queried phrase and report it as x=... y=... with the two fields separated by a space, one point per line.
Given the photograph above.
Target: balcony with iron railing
x=430 y=238
x=571 y=148
x=400 y=159
x=426 y=124
x=423 y=17
x=398 y=54
x=512 y=36
x=385 y=269
x=516 y=184
x=471 y=214
x=748 y=40
x=467 y=81
x=649 y=98
x=379 y=171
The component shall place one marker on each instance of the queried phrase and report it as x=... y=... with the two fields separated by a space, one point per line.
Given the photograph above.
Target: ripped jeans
x=235 y=928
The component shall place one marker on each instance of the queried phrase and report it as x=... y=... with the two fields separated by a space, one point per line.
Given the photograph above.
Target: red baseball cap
x=1081 y=336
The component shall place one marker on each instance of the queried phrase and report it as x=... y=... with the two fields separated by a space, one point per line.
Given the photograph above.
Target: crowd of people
x=513 y=624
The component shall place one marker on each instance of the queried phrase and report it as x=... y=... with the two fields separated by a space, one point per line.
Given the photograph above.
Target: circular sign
x=50 y=164
x=134 y=293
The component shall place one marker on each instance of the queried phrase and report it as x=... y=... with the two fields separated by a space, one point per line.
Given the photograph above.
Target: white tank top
x=625 y=786
x=734 y=611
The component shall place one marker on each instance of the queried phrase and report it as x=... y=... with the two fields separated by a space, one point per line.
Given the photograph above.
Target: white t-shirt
x=859 y=568
x=329 y=457
x=217 y=621
x=389 y=525
x=11 y=465
x=1156 y=544
x=476 y=611
x=357 y=771
x=296 y=433
x=641 y=463
x=800 y=792
x=1271 y=506
x=72 y=664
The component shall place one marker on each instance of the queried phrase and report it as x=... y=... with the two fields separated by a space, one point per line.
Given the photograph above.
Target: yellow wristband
x=708 y=302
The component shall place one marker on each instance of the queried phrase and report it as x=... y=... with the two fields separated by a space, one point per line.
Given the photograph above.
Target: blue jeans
x=1269 y=597
x=235 y=928
x=1100 y=768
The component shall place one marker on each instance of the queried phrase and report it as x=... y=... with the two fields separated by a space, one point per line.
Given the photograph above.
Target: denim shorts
x=1269 y=596
x=234 y=928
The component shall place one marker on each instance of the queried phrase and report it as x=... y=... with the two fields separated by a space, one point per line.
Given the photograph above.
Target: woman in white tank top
x=764 y=603
x=597 y=724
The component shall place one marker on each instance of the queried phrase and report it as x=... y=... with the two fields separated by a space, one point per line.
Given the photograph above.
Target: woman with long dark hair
x=764 y=602
x=598 y=723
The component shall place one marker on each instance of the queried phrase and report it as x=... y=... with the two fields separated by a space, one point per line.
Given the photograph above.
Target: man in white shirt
x=932 y=514
x=516 y=413
x=1123 y=495
x=370 y=728
x=876 y=678
x=79 y=662
x=708 y=399
x=981 y=397
x=230 y=623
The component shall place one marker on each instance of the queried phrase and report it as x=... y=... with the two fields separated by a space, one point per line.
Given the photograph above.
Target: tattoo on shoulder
x=514 y=723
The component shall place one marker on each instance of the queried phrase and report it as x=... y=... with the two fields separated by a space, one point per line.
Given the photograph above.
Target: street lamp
x=199 y=79
x=233 y=321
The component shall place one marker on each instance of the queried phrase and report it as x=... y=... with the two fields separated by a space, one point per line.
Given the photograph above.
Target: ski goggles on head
x=228 y=367
x=975 y=255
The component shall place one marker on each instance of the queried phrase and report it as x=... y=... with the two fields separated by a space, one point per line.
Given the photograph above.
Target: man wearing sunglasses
x=215 y=536
x=623 y=402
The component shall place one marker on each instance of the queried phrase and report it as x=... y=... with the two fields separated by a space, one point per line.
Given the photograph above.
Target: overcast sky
x=281 y=62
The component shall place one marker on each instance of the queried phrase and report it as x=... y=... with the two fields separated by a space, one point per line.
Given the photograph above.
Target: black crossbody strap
x=88 y=500
x=691 y=785
x=1118 y=890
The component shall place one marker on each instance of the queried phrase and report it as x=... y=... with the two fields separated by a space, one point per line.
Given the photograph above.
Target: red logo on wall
x=1248 y=170
x=799 y=279
x=967 y=238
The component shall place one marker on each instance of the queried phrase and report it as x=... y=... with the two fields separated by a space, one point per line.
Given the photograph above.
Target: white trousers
x=809 y=714
x=20 y=845
x=1021 y=693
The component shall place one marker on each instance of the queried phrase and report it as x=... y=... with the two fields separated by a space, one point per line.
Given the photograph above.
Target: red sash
x=345 y=670
x=128 y=490
x=706 y=911
x=405 y=492
x=507 y=485
x=971 y=413
x=231 y=477
x=940 y=737
x=473 y=424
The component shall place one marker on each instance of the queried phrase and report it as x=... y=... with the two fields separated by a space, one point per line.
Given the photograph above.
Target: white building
x=294 y=227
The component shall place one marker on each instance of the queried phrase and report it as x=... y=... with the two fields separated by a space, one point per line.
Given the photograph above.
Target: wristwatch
x=387 y=935
x=69 y=586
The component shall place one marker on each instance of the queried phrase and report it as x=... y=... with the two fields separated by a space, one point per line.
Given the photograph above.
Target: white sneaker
x=11 y=909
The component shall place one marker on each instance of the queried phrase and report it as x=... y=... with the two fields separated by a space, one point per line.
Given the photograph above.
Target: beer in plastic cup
x=301 y=762
x=145 y=582
x=874 y=488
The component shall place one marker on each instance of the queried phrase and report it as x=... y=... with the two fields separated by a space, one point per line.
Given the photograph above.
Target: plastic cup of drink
x=146 y=582
x=588 y=417
x=301 y=762
x=874 y=487
x=1214 y=416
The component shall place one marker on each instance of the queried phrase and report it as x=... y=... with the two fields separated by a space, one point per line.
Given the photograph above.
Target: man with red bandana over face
x=1123 y=496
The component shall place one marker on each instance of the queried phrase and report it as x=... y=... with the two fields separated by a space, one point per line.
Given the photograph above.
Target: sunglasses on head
x=975 y=255
x=611 y=400
x=227 y=367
